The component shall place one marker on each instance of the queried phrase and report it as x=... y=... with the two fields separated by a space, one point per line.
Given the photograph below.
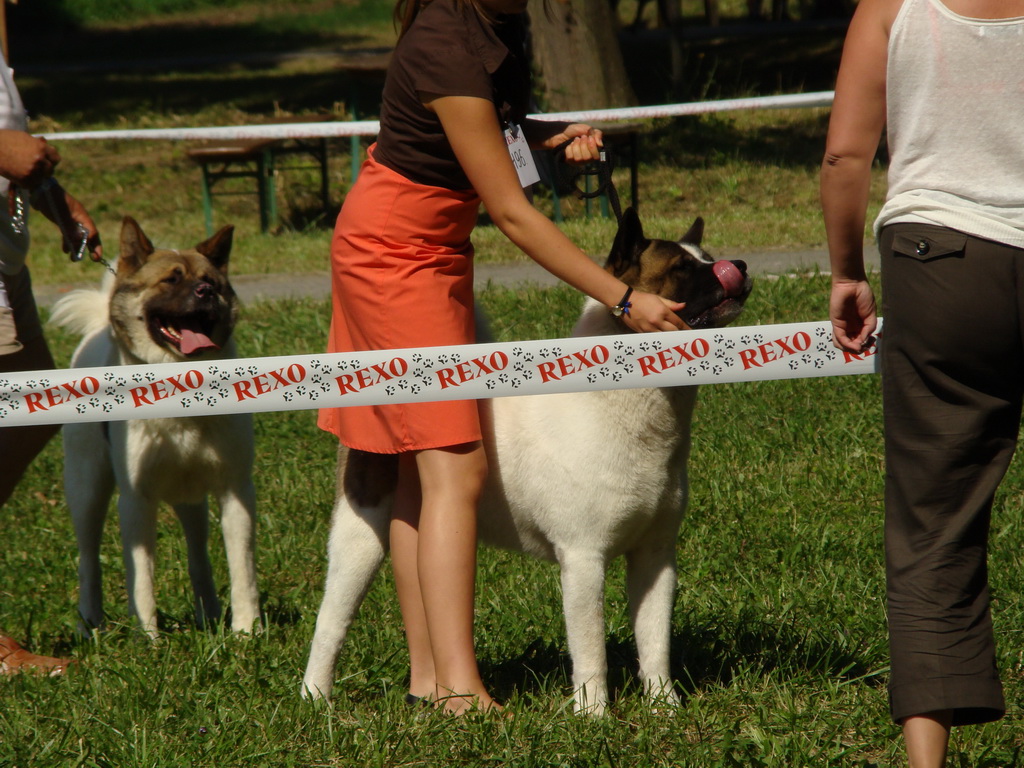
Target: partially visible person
x=454 y=102
x=947 y=79
x=26 y=167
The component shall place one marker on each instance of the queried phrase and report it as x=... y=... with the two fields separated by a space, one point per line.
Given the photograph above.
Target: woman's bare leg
x=451 y=480
x=927 y=737
x=405 y=521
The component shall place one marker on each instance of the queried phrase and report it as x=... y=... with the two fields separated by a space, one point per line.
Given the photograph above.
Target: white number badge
x=521 y=157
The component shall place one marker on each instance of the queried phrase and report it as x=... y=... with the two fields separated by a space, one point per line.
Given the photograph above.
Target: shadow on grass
x=702 y=657
x=93 y=74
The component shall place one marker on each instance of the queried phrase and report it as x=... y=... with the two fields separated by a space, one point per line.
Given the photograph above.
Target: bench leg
x=325 y=184
x=266 y=190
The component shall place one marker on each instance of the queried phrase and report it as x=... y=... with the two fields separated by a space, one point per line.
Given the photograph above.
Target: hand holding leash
x=76 y=226
x=573 y=161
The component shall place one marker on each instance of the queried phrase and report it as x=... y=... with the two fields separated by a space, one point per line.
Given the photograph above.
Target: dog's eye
x=174 y=278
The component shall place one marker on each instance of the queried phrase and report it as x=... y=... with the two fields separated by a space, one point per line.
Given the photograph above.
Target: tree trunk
x=576 y=57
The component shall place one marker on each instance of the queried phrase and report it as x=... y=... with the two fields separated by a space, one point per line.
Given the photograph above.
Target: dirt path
x=254 y=288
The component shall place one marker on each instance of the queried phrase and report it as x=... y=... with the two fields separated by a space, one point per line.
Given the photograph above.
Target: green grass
x=778 y=636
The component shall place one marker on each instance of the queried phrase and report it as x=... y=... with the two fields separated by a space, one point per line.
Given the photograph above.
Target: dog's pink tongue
x=729 y=276
x=192 y=341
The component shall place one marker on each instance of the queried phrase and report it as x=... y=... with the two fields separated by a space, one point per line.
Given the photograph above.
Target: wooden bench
x=257 y=159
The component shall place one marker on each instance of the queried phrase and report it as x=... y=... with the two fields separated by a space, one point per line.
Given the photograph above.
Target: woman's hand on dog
x=650 y=312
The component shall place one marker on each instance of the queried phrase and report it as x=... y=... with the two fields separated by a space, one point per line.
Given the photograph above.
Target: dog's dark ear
x=135 y=246
x=695 y=233
x=629 y=243
x=218 y=248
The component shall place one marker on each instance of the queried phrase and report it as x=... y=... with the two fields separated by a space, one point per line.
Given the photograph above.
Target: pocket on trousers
x=926 y=242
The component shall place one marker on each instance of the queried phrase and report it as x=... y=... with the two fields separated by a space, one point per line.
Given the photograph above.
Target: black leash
x=569 y=175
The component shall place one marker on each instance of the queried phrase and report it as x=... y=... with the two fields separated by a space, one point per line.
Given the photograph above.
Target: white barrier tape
x=372 y=127
x=256 y=385
x=801 y=100
x=221 y=133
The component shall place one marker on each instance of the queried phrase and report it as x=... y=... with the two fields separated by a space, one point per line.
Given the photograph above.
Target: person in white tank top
x=946 y=79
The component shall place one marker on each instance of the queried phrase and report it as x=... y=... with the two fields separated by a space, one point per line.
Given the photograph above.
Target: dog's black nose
x=740 y=265
x=203 y=290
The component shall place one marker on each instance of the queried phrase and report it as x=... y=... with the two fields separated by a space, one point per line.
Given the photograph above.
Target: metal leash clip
x=16 y=209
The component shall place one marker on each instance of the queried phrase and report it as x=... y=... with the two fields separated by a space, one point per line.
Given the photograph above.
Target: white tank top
x=955 y=104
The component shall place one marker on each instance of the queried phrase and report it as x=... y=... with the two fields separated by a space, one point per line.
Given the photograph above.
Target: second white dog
x=162 y=306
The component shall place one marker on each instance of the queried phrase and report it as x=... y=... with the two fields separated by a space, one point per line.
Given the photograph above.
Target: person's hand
x=26 y=159
x=650 y=312
x=585 y=143
x=852 y=312
x=65 y=211
x=81 y=216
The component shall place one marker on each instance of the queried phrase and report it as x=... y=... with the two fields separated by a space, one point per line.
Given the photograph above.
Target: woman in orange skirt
x=455 y=97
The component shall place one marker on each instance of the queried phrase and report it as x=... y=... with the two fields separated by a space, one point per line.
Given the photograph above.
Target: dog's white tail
x=84 y=311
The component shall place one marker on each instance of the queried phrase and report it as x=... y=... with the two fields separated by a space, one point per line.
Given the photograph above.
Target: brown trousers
x=952 y=383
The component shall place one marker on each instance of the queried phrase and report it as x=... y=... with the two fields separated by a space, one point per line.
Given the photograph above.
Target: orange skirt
x=402 y=277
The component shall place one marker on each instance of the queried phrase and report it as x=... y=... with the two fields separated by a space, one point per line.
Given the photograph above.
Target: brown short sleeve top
x=449 y=50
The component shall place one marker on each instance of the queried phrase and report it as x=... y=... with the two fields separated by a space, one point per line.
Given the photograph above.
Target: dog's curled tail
x=83 y=312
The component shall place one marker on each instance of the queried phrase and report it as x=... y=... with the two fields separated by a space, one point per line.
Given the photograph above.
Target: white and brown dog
x=576 y=478
x=162 y=306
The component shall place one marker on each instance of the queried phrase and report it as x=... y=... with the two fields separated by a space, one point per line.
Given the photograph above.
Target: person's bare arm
x=855 y=128
x=472 y=129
